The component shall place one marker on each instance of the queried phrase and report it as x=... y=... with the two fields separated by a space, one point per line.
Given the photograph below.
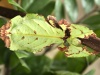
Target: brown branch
x=10 y=13
x=92 y=42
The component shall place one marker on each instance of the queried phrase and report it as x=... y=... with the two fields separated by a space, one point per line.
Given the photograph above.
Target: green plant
x=23 y=62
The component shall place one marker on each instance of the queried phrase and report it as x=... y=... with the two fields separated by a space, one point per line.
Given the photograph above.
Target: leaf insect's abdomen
x=3 y=34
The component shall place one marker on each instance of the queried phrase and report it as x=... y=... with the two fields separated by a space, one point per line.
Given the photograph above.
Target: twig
x=10 y=13
x=88 y=14
x=92 y=42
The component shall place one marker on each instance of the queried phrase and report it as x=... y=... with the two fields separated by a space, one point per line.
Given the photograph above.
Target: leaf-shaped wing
x=33 y=33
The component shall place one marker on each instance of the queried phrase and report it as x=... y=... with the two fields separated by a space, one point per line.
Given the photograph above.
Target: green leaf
x=47 y=10
x=3 y=51
x=18 y=63
x=91 y=72
x=35 y=5
x=40 y=64
x=97 y=31
x=16 y=4
x=87 y=5
x=66 y=73
x=45 y=7
x=33 y=33
x=77 y=65
x=2 y=21
x=25 y=4
x=97 y=2
x=14 y=61
x=19 y=69
x=72 y=9
x=59 y=10
x=37 y=64
x=93 y=22
x=22 y=54
x=25 y=65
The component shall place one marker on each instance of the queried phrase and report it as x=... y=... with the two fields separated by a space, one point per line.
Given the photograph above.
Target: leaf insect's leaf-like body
x=33 y=33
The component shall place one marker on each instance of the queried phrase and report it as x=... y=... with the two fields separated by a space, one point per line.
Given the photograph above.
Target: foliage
x=28 y=63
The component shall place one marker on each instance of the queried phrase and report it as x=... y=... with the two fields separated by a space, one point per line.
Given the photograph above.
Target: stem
x=88 y=14
x=92 y=42
x=10 y=13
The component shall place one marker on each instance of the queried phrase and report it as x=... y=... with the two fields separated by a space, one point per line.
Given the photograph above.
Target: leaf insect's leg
x=53 y=22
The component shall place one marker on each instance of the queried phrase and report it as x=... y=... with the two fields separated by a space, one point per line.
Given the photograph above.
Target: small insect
x=33 y=33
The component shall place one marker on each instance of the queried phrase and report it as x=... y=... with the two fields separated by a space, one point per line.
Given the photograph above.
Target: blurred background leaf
x=71 y=64
x=93 y=22
x=36 y=6
x=2 y=21
x=22 y=54
x=72 y=9
x=97 y=2
x=66 y=73
x=59 y=10
x=16 y=4
x=37 y=64
x=88 y=5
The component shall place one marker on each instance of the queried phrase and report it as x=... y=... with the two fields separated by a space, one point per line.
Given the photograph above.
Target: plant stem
x=92 y=42
x=10 y=13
